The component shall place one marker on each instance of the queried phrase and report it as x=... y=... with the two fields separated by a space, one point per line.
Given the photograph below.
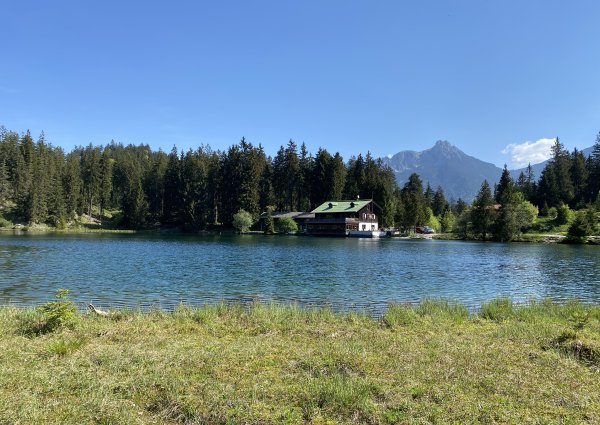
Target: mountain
x=459 y=174
x=538 y=168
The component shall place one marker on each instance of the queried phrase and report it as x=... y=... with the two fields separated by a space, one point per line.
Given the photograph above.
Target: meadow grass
x=271 y=363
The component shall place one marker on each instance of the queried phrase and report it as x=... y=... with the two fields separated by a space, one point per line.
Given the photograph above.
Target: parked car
x=424 y=229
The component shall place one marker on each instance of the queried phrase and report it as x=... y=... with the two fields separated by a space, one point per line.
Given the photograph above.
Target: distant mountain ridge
x=539 y=167
x=445 y=165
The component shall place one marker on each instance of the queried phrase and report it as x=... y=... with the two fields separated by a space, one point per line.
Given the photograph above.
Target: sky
x=498 y=79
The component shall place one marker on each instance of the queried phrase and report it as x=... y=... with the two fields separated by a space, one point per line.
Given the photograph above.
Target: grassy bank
x=431 y=363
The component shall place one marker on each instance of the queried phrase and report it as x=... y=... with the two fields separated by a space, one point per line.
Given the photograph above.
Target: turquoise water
x=345 y=273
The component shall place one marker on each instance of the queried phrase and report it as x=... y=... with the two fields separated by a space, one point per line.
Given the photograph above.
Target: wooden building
x=346 y=218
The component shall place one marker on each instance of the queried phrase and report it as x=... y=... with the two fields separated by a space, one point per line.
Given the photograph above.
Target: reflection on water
x=132 y=270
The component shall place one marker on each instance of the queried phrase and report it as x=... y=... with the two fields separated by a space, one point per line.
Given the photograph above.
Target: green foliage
x=563 y=214
x=269 y=224
x=584 y=223
x=462 y=225
x=447 y=221
x=483 y=212
x=58 y=313
x=286 y=225
x=579 y=319
x=415 y=208
x=64 y=346
x=286 y=364
x=515 y=216
x=497 y=310
x=4 y=222
x=433 y=222
x=399 y=315
x=242 y=221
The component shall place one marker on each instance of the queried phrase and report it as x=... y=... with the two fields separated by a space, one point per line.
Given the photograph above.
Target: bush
x=434 y=223
x=447 y=221
x=58 y=313
x=4 y=222
x=563 y=214
x=242 y=221
x=584 y=224
x=286 y=225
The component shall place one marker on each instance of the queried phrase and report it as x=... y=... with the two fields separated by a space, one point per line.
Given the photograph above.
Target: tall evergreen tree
x=483 y=213
x=579 y=177
x=439 y=203
x=593 y=166
x=106 y=178
x=414 y=203
x=91 y=176
x=72 y=184
x=172 y=186
x=505 y=187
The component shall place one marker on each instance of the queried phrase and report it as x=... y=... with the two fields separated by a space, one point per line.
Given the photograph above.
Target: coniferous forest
x=202 y=189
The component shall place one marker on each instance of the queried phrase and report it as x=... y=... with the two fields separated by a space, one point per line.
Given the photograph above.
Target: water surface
x=345 y=273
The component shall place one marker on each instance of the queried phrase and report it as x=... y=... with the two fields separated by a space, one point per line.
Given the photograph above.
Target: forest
x=203 y=188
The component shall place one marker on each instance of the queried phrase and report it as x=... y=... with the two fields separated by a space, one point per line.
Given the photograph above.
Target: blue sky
x=348 y=76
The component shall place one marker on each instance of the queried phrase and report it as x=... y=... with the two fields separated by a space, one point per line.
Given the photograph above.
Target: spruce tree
x=413 y=201
x=505 y=187
x=439 y=204
x=172 y=186
x=483 y=213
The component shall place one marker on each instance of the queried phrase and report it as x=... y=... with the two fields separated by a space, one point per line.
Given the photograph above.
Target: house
x=345 y=218
x=298 y=216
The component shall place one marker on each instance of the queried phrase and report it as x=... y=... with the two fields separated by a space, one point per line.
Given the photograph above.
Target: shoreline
x=524 y=238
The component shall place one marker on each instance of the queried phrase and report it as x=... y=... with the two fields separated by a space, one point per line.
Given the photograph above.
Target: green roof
x=341 y=206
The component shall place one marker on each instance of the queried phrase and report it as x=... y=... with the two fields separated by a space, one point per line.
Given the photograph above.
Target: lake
x=128 y=270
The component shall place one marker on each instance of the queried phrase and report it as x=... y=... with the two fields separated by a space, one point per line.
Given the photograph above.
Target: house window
x=364 y=227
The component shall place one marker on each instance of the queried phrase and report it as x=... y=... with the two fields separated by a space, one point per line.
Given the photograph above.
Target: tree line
x=203 y=188
x=569 y=181
x=195 y=190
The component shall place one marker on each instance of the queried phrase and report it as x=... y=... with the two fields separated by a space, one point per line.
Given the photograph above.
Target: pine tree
x=306 y=163
x=439 y=204
x=172 y=185
x=505 y=187
x=4 y=184
x=483 y=213
x=428 y=196
x=413 y=201
x=91 y=177
x=593 y=186
x=106 y=179
x=71 y=181
x=579 y=177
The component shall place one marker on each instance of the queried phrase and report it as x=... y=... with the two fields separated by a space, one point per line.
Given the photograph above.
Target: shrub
x=4 y=222
x=58 y=313
x=242 y=221
x=286 y=225
x=563 y=214
x=584 y=223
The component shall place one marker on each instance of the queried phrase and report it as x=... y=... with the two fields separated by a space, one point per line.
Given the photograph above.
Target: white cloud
x=389 y=155
x=529 y=152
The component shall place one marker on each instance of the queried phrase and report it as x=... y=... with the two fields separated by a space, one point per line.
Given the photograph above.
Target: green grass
x=271 y=363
